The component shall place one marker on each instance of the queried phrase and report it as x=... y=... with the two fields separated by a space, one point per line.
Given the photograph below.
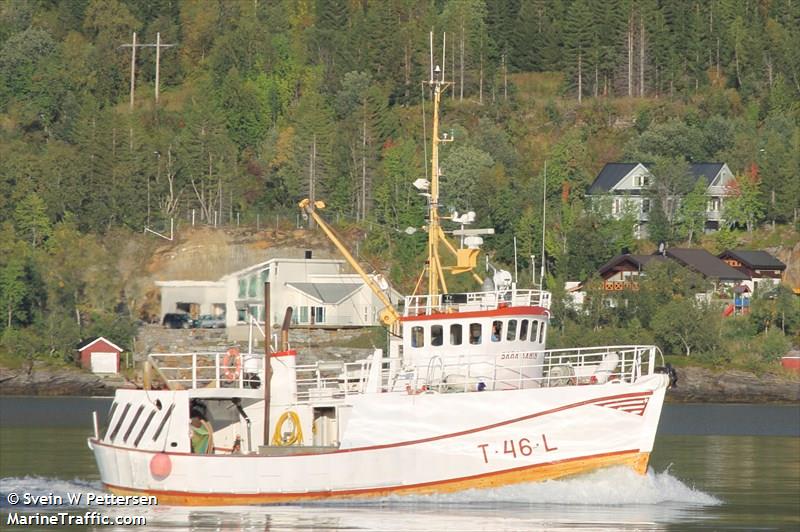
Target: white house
x=319 y=291
x=627 y=184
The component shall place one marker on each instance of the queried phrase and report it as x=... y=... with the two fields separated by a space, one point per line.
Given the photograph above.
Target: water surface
x=715 y=467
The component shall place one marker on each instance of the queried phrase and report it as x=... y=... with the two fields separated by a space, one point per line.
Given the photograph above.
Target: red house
x=99 y=355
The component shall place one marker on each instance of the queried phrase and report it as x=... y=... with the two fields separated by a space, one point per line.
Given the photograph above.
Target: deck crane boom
x=388 y=315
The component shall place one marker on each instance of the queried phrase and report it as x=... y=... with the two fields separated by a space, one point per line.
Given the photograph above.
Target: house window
x=511 y=332
x=455 y=334
x=646 y=205
x=264 y=276
x=251 y=292
x=319 y=314
x=616 y=208
x=242 y=288
x=302 y=315
x=474 y=333
x=417 y=336
x=437 y=335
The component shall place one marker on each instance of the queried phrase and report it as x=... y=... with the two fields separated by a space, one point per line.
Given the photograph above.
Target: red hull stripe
x=414 y=442
x=329 y=493
x=539 y=312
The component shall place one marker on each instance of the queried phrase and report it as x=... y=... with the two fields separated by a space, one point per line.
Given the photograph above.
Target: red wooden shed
x=99 y=355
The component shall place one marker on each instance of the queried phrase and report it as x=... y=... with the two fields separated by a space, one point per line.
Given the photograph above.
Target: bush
x=773 y=345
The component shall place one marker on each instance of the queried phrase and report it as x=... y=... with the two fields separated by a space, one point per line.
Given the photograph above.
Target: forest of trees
x=263 y=102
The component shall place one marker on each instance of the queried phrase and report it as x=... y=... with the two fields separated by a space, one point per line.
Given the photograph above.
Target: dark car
x=208 y=321
x=176 y=320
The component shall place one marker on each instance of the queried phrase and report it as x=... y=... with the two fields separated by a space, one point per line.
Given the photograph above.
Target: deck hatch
x=121 y=419
x=163 y=421
x=136 y=417
x=144 y=428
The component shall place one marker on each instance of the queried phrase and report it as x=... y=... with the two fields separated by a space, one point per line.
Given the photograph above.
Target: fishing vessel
x=466 y=396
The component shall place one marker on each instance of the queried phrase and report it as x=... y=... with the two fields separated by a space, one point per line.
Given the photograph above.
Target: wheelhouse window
x=474 y=333
x=541 y=333
x=511 y=332
x=534 y=329
x=497 y=330
x=417 y=336
x=523 y=330
x=437 y=335
x=455 y=334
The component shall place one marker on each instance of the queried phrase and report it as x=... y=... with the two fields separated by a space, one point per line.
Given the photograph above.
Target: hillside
x=260 y=104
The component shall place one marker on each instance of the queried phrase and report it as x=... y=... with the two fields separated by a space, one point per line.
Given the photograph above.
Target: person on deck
x=201 y=434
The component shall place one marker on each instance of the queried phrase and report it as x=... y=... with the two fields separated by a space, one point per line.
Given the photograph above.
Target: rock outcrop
x=700 y=385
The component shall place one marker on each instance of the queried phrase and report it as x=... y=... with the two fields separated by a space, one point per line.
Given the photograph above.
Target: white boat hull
x=427 y=443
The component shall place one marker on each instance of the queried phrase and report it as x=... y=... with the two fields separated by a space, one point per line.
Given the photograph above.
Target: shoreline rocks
x=695 y=384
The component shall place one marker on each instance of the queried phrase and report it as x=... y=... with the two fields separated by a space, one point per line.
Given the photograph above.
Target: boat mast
x=435 y=270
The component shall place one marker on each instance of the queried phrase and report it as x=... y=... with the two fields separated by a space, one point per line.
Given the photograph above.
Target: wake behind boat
x=466 y=397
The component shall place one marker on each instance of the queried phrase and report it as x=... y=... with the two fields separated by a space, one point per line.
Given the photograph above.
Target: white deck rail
x=207 y=370
x=335 y=380
x=561 y=367
x=473 y=301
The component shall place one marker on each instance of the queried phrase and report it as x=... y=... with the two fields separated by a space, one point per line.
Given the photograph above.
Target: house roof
x=754 y=259
x=91 y=341
x=613 y=173
x=277 y=260
x=706 y=264
x=708 y=170
x=610 y=175
x=330 y=293
x=637 y=260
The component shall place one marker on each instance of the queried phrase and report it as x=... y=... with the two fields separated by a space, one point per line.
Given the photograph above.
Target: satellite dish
x=502 y=279
x=437 y=70
x=381 y=281
x=473 y=242
x=422 y=184
x=410 y=230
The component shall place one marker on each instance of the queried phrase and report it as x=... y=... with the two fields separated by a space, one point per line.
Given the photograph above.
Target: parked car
x=176 y=320
x=208 y=321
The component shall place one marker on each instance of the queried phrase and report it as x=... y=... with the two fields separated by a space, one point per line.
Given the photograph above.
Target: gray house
x=626 y=184
x=322 y=292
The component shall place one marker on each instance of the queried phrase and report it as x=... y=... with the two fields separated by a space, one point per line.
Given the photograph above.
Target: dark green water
x=714 y=467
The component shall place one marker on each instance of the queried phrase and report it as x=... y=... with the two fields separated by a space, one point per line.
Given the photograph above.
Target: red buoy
x=160 y=466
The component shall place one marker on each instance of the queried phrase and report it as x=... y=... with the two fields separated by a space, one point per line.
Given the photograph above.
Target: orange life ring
x=232 y=364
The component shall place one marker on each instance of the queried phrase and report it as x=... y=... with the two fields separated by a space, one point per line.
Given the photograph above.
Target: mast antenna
x=544 y=221
x=444 y=53
x=431 y=50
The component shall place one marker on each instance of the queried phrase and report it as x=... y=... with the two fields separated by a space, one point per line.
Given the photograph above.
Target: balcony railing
x=617 y=286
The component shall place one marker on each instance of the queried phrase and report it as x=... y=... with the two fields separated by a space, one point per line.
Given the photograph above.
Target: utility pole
x=133 y=46
x=133 y=68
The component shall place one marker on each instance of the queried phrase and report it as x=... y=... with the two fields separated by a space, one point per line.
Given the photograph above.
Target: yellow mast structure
x=435 y=270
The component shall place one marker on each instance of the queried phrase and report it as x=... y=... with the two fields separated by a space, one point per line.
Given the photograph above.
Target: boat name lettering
x=516 y=448
x=517 y=356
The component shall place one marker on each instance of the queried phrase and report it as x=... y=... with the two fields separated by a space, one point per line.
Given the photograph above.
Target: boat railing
x=207 y=370
x=420 y=305
x=557 y=367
